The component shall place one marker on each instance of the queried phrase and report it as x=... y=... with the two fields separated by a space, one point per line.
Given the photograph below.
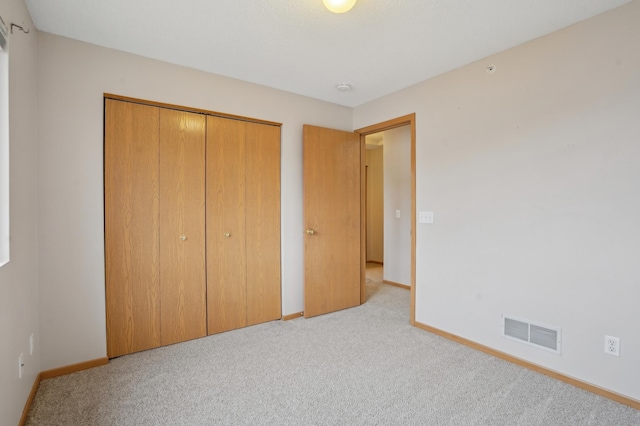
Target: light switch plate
x=425 y=217
x=397 y=214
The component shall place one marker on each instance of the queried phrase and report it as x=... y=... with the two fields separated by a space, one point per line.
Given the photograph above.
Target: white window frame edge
x=5 y=238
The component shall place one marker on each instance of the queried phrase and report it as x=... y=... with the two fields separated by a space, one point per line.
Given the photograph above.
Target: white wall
x=533 y=176
x=72 y=77
x=18 y=278
x=397 y=196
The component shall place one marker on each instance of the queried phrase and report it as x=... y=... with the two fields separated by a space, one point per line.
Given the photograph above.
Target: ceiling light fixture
x=343 y=87
x=339 y=6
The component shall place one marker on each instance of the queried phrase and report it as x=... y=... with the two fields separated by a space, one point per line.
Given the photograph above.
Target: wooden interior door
x=332 y=217
x=182 y=226
x=263 y=223
x=131 y=157
x=225 y=212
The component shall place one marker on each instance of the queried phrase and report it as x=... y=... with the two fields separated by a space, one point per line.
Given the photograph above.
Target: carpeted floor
x=361 y=366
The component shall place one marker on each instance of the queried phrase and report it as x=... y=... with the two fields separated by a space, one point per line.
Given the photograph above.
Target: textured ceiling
x=379 y=47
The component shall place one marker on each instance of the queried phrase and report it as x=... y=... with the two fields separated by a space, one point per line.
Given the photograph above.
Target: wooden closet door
x=226 y=256
x=131 y=227
x=182 y=226
x=263 y=223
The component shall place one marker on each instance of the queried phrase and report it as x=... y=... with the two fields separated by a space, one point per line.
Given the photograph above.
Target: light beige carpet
x=361 y=366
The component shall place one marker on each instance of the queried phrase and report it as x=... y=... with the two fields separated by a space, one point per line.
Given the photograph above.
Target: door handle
x=227 y=235
x=183 y=237
x=310 y=231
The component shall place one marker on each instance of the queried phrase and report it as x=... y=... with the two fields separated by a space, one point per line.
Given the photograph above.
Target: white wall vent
x=3 y=35
x=532 y=333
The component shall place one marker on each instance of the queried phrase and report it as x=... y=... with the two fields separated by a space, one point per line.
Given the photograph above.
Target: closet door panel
x=263 y=223
x=182 y=226
x=131 y=227
x=226 y=256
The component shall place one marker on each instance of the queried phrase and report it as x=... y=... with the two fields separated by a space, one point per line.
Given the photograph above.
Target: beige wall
x=72 y=77
x=397 y=196
x=18 y=278
x=532 y=174
x=375 y=205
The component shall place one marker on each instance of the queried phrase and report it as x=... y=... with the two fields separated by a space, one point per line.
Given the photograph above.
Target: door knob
x=227 y=235
x=310 y=231
x=183 y=237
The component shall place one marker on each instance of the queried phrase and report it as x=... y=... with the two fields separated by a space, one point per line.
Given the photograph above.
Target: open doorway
x=390 y=210
x=388 y=206
x=323 y=157
x=374 y=198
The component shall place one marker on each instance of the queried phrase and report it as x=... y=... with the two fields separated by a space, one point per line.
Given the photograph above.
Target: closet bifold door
x=131 y=158
x=262 y=223
x=226 y=255
x=182 y=226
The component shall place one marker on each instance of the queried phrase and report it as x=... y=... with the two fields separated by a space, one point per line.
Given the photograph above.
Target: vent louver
x=535 y=334
x=3 y=35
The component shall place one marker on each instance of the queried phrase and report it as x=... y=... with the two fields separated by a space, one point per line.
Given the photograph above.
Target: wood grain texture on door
x=225 y=212
x=131 y=157
x=263 y=223
x=332 y=211
x=182 y=226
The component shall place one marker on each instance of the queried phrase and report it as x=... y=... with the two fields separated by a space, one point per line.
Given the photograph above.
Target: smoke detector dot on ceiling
x=343 y=87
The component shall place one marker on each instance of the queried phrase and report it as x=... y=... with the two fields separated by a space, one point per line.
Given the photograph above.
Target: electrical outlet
x=612 y=345
x=20 y=365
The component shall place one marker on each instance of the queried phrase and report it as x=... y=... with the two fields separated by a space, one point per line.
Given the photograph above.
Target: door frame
x=406 y=120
